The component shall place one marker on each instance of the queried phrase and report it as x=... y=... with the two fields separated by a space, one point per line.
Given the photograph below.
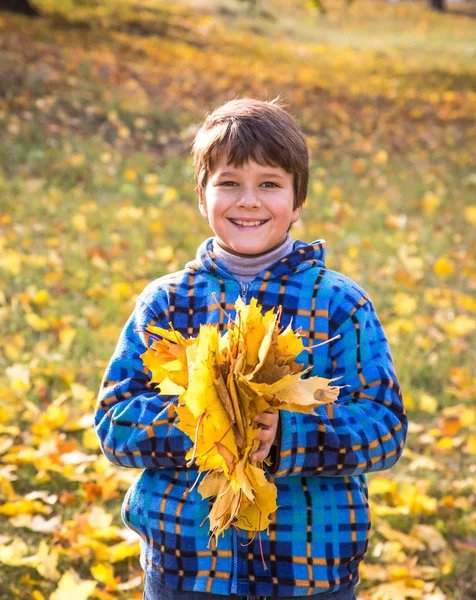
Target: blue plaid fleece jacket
x=320 y=531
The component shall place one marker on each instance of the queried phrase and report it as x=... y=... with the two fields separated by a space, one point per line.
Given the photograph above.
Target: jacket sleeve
x=134 y=423
x=365 y=429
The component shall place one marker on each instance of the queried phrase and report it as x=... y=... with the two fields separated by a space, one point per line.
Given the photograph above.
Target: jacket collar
x=303 y=256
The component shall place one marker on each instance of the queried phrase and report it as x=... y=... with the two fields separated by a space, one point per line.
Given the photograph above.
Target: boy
x=251 y=173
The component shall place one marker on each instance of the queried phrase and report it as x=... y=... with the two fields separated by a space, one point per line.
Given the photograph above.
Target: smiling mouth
x=241 y=223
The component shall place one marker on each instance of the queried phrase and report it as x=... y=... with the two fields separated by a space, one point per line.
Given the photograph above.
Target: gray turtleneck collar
x=244 y=268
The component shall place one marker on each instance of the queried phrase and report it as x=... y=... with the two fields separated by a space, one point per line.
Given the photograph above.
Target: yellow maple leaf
x=293 y=392
x=430 y=536
x=470 y=446
x=459 y=326
x=20 y=507
x=14 y=553
x=71 y=586
x=470 y=214
x=443 y=267
x=104 y=573
x=428 y=403
x=289 y=344
x=381 y=485
x=167 y=356
x=45 y=561
x=254 y=516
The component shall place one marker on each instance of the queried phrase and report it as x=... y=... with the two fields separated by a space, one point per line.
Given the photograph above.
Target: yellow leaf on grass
x=45 y=561
x=428 y=403
x=11 y=261
x=98 y=519
x=404 y=304
x=36 y=322
x=430 y=536
x=41 y=297
x=80 y=223
x=381 y=157
x=371 y=572
x=123 y=550
x=13 y=554
x=75 y=160
x=121 y=290
x=459 y=326
x=71 y=586
x=383 y=510
x=130 y=174
x=407 y=541
x=19 y=377
x=21 y=507
x=104 y=573
x=6 y=488
x=169 y=196
x=430 y=203
x=470 y=214
x=398 y=590
x=36 y=523
x=396 y=221
x=381 y=485
x=445 y=443
x=470 y=446
x=66 y=336
x=415 y=499
x=443 y=267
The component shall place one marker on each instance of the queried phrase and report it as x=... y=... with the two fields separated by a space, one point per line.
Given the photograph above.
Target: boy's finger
x=266 y=418
x=261 y=453
x=264 y=435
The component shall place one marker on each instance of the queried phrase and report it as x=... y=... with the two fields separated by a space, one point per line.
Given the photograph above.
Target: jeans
x=153 y=590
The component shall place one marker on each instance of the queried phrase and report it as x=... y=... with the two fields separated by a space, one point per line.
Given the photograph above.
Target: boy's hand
x=269 y=425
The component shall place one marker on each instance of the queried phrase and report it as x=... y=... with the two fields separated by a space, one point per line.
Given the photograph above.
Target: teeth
x=247 y=223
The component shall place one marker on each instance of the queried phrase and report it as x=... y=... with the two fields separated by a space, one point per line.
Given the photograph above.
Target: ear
x=296 y=214
x=202 y=207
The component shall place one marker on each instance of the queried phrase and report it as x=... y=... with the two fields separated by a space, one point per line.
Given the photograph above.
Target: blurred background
x=99 y=103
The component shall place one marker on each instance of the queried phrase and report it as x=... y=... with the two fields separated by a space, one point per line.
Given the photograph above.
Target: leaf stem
x=174 y=332
x=221 y=309
x=336 y=337
x=196 y=480
x=192 y=460
x=152 y=335
x=260 y=542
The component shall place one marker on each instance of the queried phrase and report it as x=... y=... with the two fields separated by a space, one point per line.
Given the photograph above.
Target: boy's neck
x=246 y=268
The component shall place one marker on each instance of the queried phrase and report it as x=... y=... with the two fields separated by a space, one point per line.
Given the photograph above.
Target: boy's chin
x=247 y=252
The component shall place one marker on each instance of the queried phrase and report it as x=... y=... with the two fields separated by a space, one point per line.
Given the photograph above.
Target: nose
x=248 y=198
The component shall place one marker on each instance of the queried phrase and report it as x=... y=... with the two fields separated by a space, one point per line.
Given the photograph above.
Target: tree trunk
x=438 y=4
x=19 y=6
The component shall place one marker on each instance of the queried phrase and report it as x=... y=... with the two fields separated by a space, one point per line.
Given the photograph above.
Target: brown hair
x=246 y=129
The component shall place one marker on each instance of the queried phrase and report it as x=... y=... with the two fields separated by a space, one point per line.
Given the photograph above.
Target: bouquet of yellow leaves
x=222 y=383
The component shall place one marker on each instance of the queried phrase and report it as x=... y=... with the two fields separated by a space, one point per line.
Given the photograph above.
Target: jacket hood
x=302 y=257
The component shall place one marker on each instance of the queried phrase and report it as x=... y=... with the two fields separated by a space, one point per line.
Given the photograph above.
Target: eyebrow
x=233 y=174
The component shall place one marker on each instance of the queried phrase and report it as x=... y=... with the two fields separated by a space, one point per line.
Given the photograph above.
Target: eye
x=228 y=183
x=270 y=184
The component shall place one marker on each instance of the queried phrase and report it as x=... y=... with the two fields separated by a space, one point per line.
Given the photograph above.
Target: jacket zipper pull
x=244 y=290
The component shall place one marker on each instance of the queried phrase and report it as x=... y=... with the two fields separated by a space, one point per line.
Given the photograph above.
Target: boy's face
x=249 y=208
